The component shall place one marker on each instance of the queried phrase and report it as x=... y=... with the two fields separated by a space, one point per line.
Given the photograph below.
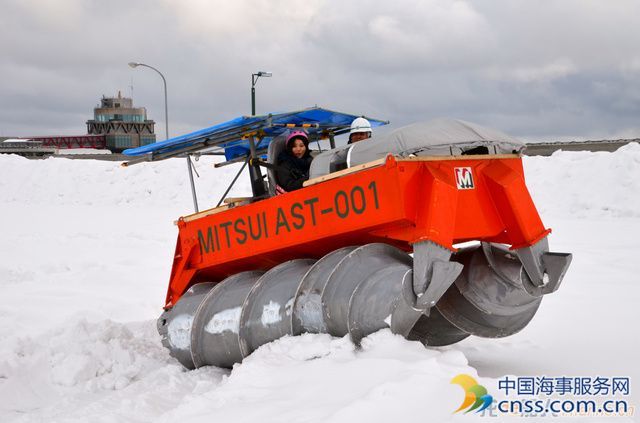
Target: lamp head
x=133 y=64
x=264 y=74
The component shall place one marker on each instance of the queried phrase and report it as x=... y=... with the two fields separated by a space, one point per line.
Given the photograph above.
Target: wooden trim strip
x=204 y=213
x=233 y=200
x=344 y=172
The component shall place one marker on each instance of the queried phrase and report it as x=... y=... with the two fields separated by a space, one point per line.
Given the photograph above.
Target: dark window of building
x=147 y=139
x=123 y=141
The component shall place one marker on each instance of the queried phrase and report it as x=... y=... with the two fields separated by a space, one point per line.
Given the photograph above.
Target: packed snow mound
x=109 y=369
x=585 y=184
x=60 y=181
x=93 y=356
x=86 y=371
x=386 y=377
x=81 y=151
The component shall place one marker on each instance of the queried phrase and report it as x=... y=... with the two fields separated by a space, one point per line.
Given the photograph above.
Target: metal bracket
x=433 y=274
x=545 y=270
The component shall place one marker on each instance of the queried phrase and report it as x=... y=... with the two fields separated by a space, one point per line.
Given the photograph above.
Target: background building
x=122 y=125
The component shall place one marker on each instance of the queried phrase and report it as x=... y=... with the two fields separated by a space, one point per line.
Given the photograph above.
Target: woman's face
x=298 y=148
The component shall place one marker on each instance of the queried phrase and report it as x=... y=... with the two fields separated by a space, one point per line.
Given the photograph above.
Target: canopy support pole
x=193 y=186
x=257 y=183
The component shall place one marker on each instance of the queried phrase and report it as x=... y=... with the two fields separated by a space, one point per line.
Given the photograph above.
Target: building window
x=120 y=141
x=147 y=139
x=131 y=118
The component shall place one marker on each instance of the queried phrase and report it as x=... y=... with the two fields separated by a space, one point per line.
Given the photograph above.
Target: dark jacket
x=292 y=171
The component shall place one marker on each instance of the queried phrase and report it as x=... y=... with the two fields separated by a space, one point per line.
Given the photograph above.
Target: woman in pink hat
x=294 y=162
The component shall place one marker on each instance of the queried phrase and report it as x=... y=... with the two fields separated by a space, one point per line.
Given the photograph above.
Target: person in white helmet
x=360 y=130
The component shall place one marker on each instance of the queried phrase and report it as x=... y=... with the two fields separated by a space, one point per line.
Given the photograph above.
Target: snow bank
x=80 y=151
x=104 y=371
x=118 y=371
x=584 y=184
x=316 y=378
x=65 y=182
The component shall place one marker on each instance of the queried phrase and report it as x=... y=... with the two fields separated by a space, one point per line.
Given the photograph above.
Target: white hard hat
x=360 y=125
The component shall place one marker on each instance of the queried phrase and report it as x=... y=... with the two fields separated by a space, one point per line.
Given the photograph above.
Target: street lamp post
x=254 y=80
x=257 y=184
x=166 y=128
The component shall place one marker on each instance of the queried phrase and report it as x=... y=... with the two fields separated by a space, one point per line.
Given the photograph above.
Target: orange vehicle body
x=446 y=200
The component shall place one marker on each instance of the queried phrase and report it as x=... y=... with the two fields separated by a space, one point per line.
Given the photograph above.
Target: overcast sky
x=534 y=69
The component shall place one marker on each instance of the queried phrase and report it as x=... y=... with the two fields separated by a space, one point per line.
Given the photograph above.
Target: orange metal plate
x=399 y=202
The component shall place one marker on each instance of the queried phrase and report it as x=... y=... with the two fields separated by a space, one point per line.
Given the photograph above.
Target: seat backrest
x=276 y=146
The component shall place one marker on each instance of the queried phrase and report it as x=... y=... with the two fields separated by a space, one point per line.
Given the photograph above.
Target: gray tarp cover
x=439 y=137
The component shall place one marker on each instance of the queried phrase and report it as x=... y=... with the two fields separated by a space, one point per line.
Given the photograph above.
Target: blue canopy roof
x=232 y=135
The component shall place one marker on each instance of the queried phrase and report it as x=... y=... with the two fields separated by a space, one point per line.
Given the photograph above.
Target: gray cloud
x=534 y=69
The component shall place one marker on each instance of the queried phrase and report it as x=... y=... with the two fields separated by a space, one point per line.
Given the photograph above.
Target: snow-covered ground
x=85 y=253
x=80 y=151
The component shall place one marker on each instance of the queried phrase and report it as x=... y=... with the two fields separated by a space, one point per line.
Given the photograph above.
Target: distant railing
x=548 y=148
x=74 y=141
x=26 y=148
x=20 y=144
